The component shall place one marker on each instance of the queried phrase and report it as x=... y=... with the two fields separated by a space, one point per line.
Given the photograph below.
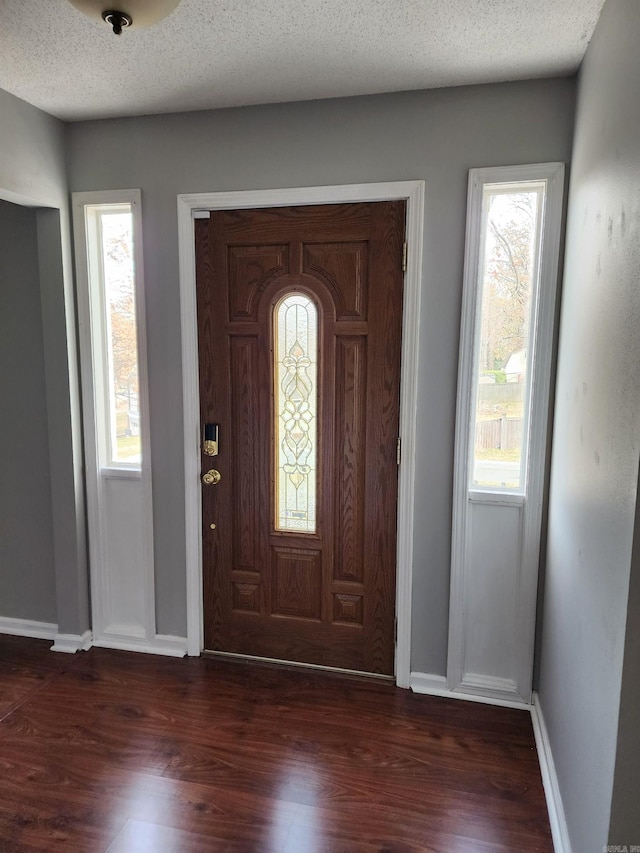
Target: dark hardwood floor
x=125 y=753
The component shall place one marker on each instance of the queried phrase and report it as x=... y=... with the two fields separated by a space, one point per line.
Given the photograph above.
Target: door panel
x=326 y=597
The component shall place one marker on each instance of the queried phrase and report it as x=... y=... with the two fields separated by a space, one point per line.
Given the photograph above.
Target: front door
x=299 y=327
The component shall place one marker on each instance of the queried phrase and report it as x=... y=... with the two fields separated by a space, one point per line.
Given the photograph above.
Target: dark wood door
x=299 y=323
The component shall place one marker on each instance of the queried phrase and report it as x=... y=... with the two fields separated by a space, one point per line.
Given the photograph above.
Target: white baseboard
x=559 y=830
x=28 y=628
x=431 y=685
x=436 y=685
x=72 y=643
x=167 y=644
x=490 y=687
x=162 y=644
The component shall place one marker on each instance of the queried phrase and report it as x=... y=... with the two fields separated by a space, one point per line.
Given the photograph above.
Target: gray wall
x=33 y=172
x=32 y=149
x=594 y=472
x=624 y=825
x=436 y=136
x=27 y=578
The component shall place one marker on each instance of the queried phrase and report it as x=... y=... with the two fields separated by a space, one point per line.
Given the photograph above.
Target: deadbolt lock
x=210 y=443
x=210 y=478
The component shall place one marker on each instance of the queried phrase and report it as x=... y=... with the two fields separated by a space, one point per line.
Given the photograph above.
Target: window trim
x=530 y=501
x=542 y=320
x=101 y=363
x=106 y=625
x=503 y=188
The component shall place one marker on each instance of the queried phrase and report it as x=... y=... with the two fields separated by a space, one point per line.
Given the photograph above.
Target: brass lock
x=210 y=443
x=210 y=478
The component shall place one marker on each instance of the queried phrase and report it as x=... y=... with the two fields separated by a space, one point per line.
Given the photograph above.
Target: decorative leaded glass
x=296 y=406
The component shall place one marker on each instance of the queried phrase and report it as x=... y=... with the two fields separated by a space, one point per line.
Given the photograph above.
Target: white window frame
x=100 y=327
x=530 y=497
x=107 y=627
x=477 y=491
x=542 y=316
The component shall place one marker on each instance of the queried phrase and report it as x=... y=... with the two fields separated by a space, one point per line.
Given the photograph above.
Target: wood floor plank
x=24 y=668
x=139 y=836
x=116 y=751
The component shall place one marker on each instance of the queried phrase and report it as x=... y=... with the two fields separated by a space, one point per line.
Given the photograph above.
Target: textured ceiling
x=220 y=53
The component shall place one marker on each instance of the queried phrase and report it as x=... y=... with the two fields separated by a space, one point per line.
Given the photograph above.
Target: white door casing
x=189 y=207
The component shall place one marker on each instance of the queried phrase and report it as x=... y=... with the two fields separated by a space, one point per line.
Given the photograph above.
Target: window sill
x=117 y=473
x=496 y=498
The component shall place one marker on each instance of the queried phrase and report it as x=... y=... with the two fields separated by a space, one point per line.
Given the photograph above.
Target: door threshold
x=298 y=665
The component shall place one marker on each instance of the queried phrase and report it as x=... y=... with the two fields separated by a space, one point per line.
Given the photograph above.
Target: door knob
x=210 y=478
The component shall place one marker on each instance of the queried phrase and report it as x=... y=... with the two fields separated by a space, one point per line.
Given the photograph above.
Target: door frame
x=197 y=205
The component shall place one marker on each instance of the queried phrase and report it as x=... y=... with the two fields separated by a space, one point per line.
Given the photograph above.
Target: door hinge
x=398 y=451
x=395 y=630
x=405 y=249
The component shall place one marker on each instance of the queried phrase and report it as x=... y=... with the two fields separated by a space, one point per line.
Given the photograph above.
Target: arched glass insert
x=296 y=412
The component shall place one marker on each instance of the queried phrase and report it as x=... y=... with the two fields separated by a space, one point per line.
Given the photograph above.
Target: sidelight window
x=111 y=314
x=115 y=338
x=514 y=218
x=296 y=412
x=508 y=285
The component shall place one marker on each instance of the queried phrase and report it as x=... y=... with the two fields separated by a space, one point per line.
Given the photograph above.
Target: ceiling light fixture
x=132 y=14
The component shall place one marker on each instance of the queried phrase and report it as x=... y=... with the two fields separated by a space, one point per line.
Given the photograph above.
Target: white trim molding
x=436 y=685
x=72 y=643
x=557 y=819
x=496 y=533
x=28 y=628
x=194 y=204
x=488 y=686
x=122 y=590
x=430 y=685
x=161 y=644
